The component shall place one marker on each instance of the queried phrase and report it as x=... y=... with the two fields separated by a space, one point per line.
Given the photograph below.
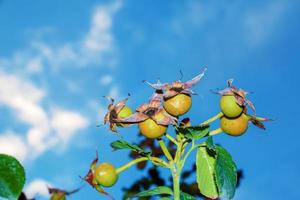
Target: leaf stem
x=188 y=153
x=217 y=116
x=165 y=149
x=133 y=162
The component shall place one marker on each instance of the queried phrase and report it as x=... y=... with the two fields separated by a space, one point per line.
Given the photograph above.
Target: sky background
x=58 y=58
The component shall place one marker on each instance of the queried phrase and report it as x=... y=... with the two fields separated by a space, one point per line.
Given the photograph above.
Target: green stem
x=176 y=182
x=178 y=152
x=171 y=138
x=194 y=146
x=165 y=149
x=217 y=116
x=176 y=167
x=214 y=132
x=133 y=162
x=188 y=153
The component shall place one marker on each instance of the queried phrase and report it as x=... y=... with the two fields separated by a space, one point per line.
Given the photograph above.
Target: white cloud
x=106 y=79
x=13 y=144
x=99 y=37
x=38 y=140
x=66 y=123
x=260 y=23
x=23 y=97
x=37 y=188
x=45 y=131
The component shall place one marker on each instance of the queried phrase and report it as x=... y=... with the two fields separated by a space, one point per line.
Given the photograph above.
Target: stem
x=178 y=152
x=188 y=152
x=176 y=182
x=177 y=166
x=171 y=138
x=216 y=131
x=129 y=164
x=217 y=116
x=165 y=149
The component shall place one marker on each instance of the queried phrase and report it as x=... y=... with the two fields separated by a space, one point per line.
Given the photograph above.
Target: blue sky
x=58 y=58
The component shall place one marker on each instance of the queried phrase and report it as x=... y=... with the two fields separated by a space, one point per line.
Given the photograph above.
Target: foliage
x=12 y=177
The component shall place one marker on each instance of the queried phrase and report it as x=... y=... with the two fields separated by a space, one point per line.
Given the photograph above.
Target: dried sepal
x=258 y=121
x=165 y=120
x=169 y=90
x=239 y=94
x=179 y=87
x=89 y=177
x=157 y=86
x=111 y=116
x=150 y=110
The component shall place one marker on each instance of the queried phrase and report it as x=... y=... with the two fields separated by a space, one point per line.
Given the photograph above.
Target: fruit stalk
x=129 y=164
x=165 y=149
x=214 y=132
x=217 y=116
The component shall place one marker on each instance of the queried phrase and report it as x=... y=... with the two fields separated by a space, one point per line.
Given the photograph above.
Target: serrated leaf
x=226 y=173
x=194 y=132
x=12 y=177
x=122 y=144
x=186 y=196
x=205 y=170
x=155 y=191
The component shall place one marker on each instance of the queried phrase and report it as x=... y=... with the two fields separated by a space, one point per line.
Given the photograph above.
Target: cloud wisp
x=95 y=47
x=24 y=99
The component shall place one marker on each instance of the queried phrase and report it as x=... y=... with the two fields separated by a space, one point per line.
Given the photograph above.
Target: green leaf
x=210 y=144
x=194 y=132
x=205 y=165
x=186 y=196
x=155 y=191
x=12 y=177
x=226 y=173
x=122 y=144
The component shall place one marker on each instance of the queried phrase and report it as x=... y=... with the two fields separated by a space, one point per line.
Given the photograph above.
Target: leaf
x=122 y=144
x=155 y=191
x=210 y=144
x=186 y=196
x=205 y=169
x=12 y=177
x=226 y=173
x=194 y=132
